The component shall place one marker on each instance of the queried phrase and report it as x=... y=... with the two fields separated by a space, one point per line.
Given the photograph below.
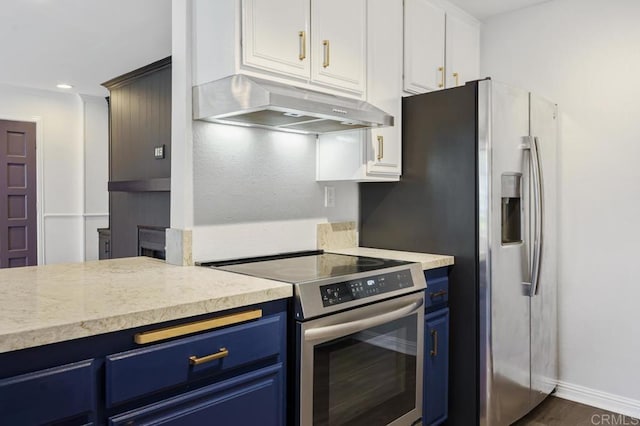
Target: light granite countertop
x=428 y=261
x=53 y=303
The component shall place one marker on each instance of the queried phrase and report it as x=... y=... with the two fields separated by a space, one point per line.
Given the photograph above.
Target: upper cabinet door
x=424 y=42
x=463 y=51
x=275 y=36
x=338 y=43
x=384 y=85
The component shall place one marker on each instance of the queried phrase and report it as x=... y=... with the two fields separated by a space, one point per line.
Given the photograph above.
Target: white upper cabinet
x=441 y=46
x=372 y=155
x=319 y=41
x=338 y=38
x=463 y=50
x=424 y=43
x=384 y=86
x=275 y=36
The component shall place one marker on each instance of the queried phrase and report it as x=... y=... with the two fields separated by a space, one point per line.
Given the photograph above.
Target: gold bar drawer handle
x=438 y=294
x=326 y=61
x=194 y=360
x=434 y=337
x=195 y=327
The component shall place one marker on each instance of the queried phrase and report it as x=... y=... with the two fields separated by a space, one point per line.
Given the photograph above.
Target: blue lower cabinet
x=61 y=395
x=436 y=367
x=255 y=398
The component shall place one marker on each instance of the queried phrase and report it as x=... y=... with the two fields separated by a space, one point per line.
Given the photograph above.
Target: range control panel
x=335 y=294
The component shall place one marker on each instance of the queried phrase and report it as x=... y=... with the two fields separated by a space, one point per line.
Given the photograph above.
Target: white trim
x=96 y=215
x=39 y=122
x=48 y=215
x=599 y=399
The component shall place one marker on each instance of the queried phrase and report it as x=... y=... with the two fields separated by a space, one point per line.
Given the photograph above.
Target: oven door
x=363 y=366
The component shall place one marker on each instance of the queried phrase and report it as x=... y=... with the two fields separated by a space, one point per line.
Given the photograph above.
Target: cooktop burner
x=304 y=267
x=324 y=283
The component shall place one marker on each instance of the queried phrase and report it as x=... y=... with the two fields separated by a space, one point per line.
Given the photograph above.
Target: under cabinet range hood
x=247 y=101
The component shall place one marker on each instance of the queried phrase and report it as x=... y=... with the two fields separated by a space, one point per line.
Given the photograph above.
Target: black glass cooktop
x=305 y=266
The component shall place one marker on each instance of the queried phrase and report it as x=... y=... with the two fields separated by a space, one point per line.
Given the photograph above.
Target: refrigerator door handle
x=538 y=212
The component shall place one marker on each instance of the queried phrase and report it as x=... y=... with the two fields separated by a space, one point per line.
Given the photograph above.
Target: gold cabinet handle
x=327 y=54
x=456 y=75
x=302 y=36
x=438 y=294
x=194 y=360
x=434 y=338
x=195 y=327
x=441 y=69
x=380 y=147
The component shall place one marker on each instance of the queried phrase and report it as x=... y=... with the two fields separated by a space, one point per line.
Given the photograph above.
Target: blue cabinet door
x=436 y=367
x=65 y=394
x=255 y=398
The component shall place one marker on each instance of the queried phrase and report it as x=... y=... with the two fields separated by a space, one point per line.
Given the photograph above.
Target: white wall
x=95 y=171
x=584 y=55
x=256 y=193
x=61 y=131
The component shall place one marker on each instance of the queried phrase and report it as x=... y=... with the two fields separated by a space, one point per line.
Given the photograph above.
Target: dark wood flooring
x=560 y=412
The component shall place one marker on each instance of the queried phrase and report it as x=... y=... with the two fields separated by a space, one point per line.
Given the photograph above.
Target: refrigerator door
x=544 y=359
x=505 y=302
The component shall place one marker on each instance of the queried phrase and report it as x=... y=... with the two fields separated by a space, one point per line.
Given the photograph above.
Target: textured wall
x=259 y=177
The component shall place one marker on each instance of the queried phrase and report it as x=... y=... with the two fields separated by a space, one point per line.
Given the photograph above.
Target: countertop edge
x=23 y=339
x=428 y=260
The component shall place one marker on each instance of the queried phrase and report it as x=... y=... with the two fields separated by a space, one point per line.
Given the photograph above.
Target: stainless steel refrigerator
x=479 y=183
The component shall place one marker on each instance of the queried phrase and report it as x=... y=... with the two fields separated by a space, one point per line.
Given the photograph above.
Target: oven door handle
x=344 y=329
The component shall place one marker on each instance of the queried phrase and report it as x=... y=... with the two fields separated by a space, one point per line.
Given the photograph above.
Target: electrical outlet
x=329 y=196
x=158 y=152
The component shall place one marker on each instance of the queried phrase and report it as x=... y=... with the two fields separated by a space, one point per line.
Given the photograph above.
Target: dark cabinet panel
x=436 y=351
x=128 y=211
x=139 y=177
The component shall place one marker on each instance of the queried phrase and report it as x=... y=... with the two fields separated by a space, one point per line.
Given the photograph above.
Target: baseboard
x=595 y=398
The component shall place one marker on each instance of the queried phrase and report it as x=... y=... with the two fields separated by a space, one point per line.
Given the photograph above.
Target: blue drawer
x=437 y=293
x=139 y=372
x=49 y=395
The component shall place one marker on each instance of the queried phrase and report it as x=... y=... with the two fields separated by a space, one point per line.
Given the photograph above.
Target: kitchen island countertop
x=53 y=303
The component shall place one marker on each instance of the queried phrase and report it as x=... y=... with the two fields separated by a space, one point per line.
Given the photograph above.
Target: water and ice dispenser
x=511 y=189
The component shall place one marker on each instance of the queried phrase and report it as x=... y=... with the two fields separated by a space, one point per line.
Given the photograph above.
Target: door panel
x=508 y=379
x=276 y=36
x=338 y=38
x=18 y=217
x=544 y=362
x=424 y=30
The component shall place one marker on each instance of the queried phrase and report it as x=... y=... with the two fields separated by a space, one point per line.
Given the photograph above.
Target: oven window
x=367 y=378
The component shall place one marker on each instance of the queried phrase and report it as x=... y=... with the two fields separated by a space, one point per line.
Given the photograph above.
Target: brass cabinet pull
x=302 y=35
x=194 y=360
x=438 y=294
x=456 y=75
x=441 y=69
x=434 y=337
x=194 y=327
x=327 y=53
x=380 y=147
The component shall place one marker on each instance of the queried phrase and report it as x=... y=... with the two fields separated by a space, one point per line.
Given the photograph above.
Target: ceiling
x=484 y=8
x=80 y=42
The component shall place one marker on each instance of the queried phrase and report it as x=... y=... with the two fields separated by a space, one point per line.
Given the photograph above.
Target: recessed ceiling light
x=64 y=86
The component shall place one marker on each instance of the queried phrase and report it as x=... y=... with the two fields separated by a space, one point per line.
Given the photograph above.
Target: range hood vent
x=247 y=101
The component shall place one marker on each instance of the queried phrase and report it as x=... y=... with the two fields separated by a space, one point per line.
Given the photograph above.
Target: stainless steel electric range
x=359 y=335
